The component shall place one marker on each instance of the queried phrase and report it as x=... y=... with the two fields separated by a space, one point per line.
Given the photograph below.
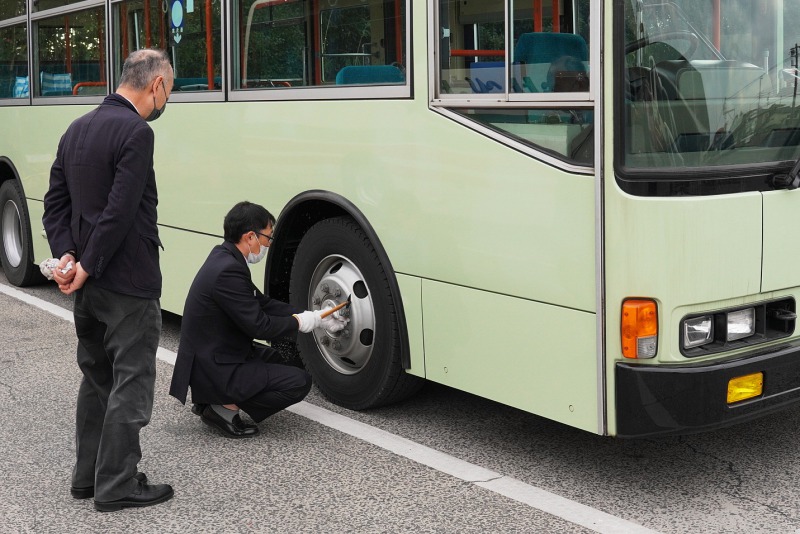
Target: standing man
x=100 y=216
x=224 y=312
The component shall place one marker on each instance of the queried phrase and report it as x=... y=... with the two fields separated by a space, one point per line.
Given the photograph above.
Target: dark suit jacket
x=102 y=199
x=224 y=312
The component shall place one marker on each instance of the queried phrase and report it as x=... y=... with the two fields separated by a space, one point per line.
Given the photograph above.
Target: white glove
x=309 y=320
x=332 y=323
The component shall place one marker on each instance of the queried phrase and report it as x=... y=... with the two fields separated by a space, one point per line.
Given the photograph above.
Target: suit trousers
x=286 y=385
x=118 y=337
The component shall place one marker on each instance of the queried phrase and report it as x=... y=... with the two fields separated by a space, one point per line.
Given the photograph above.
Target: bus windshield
x=709 y=84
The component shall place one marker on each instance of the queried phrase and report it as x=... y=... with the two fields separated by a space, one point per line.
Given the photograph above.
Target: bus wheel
x=16 y=252
x=358 y=367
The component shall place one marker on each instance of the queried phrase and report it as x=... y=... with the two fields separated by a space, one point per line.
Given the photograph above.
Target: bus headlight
x=698 y=331
x=741 y=324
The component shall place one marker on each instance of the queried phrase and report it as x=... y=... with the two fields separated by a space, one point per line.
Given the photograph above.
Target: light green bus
x=581 y=209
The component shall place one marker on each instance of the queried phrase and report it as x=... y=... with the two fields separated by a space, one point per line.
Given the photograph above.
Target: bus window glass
x=551 y=47
x=191 y=37
x=473 y=43
x=12 y=8
x=564 y=133
x=14 y=81
x=331 y=43
x=709 y=83
x=549 y=50
x=70 y=56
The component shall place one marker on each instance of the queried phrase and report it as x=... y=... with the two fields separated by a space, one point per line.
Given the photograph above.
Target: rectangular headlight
x=698 y=331
x=741 y=324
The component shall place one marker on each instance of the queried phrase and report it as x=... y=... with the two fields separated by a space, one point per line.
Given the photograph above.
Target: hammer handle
x=335 y=308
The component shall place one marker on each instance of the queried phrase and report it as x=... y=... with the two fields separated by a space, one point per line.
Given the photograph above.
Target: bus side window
x=539 y=54
x=295 y=43
x=65 y=66
x=192 y=38
x=14 y=62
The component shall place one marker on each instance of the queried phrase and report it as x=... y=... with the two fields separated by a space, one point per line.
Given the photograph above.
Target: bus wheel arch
x=16 y=236
x=322 y=239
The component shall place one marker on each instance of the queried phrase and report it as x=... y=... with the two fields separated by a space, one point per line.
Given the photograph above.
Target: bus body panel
x=690 y=254
x=781 y=244
x=532 y=356
x=459 y=224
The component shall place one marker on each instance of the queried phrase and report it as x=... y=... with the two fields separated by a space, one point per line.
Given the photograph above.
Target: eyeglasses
x=270 y=239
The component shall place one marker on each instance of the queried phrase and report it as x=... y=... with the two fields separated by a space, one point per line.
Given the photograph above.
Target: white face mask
x=255 y=258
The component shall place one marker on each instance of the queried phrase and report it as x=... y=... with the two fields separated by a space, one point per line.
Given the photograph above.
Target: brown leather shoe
x=142 y=495
x=88 y=491
x=236 y=429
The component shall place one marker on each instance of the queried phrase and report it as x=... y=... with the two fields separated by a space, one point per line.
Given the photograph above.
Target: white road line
x=537 y=498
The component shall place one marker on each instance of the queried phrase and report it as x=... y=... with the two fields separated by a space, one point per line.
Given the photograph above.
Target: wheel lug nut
x=325 y=341
x=317 y=300
x=325 y=288
x=337 y=292
x=337 y=345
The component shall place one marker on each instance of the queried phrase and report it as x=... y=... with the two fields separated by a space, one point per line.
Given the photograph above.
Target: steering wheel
x=694 y=42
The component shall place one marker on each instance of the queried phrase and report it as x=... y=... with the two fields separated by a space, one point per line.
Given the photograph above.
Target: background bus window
x=14 y=81
x=296 y=43
x=12 y=8
x=192 y=39
x=70 y=55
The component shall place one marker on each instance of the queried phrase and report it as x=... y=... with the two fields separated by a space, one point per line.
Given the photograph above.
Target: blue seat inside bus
x=363 y=74
x=487 y=76
x=535 y=53
x=55 y=83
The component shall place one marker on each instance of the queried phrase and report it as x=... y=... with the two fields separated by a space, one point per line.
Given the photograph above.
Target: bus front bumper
x=659 y=400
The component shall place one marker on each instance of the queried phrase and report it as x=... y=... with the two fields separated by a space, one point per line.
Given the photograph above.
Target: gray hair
x=142 y=66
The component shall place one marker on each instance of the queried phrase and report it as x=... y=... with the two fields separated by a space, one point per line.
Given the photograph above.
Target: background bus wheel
x=359 y=367
x=16 y=252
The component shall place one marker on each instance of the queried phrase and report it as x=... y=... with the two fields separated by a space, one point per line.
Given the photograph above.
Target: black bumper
x=659 y=400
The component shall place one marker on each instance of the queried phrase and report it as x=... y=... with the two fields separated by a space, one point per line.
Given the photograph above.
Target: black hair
x=245 y=217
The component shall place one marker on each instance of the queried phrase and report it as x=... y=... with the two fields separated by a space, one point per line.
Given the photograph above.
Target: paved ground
x=298 y=476
x=301 y=476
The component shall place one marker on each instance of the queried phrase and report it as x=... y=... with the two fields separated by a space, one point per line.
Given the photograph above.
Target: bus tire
x=16 y=247
x=359 y=367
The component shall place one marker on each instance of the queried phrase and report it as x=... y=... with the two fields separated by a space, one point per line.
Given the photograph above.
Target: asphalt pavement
x=305 y=475
x=296 y=476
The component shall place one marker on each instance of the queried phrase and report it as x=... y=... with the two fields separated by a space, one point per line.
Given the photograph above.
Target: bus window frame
x=35 y=17
x=586 y=99
x=216 y=95
x=320 y=92
x=7 y=23
x=590 y=100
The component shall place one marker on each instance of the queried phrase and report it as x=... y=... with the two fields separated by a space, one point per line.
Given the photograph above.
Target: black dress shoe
x=142 y=495
x=235 y=429
x=88 y=491
x=197 y=409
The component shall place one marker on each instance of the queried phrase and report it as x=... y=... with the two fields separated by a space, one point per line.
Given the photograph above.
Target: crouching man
x=224 y=313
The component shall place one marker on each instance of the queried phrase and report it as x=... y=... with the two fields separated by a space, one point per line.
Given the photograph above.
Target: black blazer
x=102 y=199
x=224 y=312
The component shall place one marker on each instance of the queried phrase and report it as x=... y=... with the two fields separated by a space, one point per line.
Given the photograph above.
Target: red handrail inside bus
x=87 y=84
x=478 y=53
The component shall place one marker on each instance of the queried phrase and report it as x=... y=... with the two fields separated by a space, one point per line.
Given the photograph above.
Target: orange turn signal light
x=639 y=328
